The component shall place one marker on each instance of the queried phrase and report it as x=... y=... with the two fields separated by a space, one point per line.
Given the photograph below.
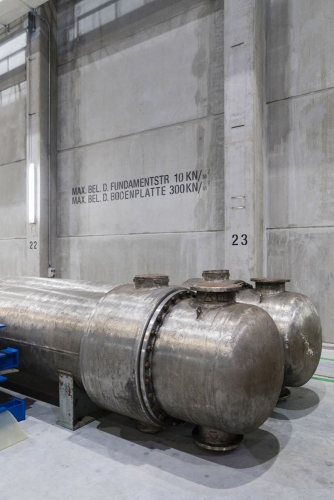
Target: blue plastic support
x=9 y=360
x=2 y=379
x=16 y=407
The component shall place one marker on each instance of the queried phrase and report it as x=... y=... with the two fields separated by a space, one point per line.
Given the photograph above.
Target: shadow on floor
x=301 y=403
x=173 y=451
x=33 y=387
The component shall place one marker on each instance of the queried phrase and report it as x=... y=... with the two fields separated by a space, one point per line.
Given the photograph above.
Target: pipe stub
x=150 y=280
x=216 y=275
x=270 y=285
x=216 y=287
x=214 y=440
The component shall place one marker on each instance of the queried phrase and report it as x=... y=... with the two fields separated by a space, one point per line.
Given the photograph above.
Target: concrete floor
x=290 y=457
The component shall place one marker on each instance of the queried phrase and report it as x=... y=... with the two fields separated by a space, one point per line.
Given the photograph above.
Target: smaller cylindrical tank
x=295 y=316
x=298 y=323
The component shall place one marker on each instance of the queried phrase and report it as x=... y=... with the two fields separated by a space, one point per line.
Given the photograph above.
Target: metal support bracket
x=76 y=409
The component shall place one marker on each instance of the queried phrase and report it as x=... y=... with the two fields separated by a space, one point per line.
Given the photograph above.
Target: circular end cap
x=216 y=275
x=270 y=280
x=216 y=287
x=150 y=280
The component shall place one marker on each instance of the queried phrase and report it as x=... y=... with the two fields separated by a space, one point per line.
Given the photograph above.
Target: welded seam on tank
x=44 y=348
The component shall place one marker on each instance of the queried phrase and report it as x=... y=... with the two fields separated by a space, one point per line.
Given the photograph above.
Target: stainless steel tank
x=296 y=318
x=215 y=355
x=152 y=352
x=298 y=323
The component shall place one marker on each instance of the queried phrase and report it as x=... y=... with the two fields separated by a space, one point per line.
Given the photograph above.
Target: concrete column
x=244 y=145
x=38 y=149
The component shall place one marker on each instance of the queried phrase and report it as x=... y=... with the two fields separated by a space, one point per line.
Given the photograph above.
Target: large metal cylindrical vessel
x=295 y=316
x=152 y=352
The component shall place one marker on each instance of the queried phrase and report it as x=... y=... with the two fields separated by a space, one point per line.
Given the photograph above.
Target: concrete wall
x=244 y=139
x=24 y=131
x=13 y=93
x=300 y=154
x=140 y=100
x=143 y=86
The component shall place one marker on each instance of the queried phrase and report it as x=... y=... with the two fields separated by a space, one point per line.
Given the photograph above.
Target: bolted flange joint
x=157 y=414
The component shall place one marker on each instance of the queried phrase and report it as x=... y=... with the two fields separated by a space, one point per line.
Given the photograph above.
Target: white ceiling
x=10 y=10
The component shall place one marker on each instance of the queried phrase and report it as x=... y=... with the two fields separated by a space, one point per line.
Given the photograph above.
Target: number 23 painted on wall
x=244 y=239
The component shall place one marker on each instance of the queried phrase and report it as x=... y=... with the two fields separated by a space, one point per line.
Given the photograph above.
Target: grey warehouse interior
x=166 y=262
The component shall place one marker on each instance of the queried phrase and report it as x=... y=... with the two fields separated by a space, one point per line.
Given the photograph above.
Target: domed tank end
x=213 y=440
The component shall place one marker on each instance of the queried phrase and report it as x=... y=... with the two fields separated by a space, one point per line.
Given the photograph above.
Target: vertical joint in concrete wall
x=244 y=145
x=39 y=149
